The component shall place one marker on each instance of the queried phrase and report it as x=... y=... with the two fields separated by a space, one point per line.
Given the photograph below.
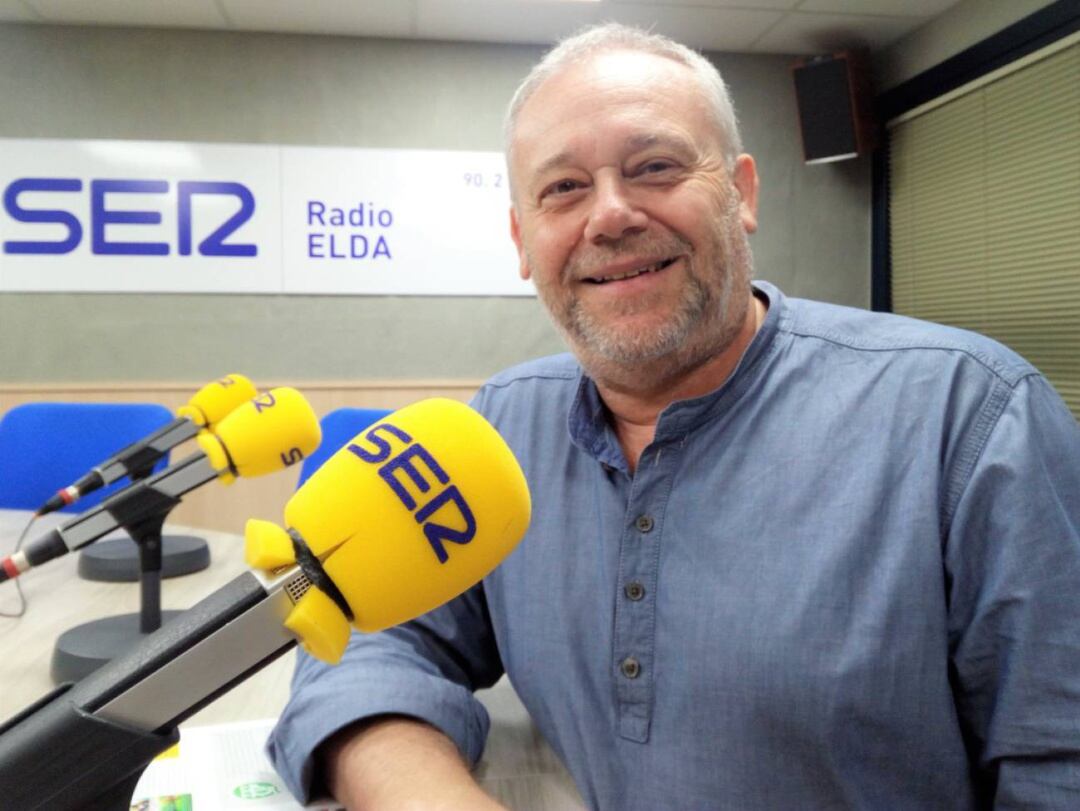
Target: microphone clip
x=312 y=567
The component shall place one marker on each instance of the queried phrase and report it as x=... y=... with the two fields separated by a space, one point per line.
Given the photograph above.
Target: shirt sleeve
x=427 y=668
x=1012 y=554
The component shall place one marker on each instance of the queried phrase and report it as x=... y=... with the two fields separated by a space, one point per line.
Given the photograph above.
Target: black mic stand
x=117 y=561
x=81 y=650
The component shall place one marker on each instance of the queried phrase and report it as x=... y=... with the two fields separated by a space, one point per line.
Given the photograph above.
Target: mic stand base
x=81 y=650
x=117 y=560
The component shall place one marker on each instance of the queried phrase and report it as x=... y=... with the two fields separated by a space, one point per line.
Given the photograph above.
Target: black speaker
x=834 y=101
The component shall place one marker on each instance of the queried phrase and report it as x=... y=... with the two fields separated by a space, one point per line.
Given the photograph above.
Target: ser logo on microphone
x=405 y=463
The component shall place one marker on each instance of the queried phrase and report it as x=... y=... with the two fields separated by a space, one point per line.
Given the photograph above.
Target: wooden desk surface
x=518 y=767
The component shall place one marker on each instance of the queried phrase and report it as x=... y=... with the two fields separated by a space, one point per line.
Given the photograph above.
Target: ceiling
x=762 y=26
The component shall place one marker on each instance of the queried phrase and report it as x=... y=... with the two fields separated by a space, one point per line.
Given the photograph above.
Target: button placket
x=635 y=606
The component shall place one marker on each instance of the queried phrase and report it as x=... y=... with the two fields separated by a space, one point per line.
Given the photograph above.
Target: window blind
x=984 y=212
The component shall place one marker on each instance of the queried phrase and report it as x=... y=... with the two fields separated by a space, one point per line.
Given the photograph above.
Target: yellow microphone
x=413 y=511
x=216 y=400
x=272 y=431
x=275 y=430
x=210 y=404
x=410 y=513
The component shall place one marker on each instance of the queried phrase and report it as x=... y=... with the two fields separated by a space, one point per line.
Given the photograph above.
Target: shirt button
x=630 y=667
x=644 y=523
x=634 y=590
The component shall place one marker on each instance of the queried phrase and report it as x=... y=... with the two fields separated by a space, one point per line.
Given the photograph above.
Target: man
x=783 y=554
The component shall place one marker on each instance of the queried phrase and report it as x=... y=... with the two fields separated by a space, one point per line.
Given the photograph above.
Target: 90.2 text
x=479 y=180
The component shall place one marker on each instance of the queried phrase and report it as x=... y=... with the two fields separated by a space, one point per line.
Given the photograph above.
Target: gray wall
x=958 y=28
x=63 y=82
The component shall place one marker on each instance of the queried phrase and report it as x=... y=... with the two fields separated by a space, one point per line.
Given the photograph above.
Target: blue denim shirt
x=848 y=578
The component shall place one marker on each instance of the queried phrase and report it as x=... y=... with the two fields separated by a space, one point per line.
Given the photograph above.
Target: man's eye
x=654 y=167
x=562 y=187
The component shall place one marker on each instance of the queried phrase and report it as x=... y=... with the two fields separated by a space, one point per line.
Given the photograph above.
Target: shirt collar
x=587 y=421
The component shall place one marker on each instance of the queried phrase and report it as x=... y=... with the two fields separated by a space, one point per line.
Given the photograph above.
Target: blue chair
x=338 y=427
x=46 y=446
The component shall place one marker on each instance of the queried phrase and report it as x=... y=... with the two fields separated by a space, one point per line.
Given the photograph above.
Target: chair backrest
x=46 y=446
x=338 y=427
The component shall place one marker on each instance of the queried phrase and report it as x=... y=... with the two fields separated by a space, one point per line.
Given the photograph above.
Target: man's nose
x=613 y=214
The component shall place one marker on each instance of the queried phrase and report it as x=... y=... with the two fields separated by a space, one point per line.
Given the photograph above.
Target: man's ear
x=515 y=234
x=745 y=177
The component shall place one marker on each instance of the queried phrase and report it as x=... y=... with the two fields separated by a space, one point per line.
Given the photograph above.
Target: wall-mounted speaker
x=835 y=105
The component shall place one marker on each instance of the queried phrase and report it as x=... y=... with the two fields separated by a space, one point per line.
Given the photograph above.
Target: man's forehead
x=614 y=69
x=635 y=99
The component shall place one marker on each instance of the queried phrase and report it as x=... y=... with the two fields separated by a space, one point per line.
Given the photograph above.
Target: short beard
x=590 y=332
x=705 y=322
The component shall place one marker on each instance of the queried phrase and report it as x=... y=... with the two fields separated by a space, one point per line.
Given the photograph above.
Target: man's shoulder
x=897 y=335
x=550 y=371
x=537 y=392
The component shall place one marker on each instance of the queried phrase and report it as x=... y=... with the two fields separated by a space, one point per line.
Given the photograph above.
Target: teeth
x=631 y=274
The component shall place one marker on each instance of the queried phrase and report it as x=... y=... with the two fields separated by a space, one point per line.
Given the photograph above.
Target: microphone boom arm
x=138 y=459
x=84 y=746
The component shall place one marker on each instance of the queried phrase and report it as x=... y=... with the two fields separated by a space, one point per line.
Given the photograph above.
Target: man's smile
x=615 y=274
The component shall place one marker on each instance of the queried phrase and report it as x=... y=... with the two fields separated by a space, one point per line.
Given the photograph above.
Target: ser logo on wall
x=63 y=230
x=115 y=216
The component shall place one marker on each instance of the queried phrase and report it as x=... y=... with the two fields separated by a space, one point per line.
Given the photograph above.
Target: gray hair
x=617 y=37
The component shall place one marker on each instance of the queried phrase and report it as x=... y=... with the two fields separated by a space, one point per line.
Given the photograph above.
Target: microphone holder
x=117 y=561
x=81 y=650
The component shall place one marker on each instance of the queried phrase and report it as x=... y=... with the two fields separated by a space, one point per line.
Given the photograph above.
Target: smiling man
x=783 y=554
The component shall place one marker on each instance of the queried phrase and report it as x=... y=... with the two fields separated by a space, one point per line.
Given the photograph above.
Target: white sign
x=140 y=216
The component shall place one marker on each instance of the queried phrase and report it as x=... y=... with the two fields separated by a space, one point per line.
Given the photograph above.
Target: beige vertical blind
x=984 y=196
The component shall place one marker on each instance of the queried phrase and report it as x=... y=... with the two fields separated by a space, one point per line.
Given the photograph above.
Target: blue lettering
x=214 y=245
x=358 y=239
x=382 y=446
x=315 y=242
x=337 y=216
x=333 y=249
x=101 y=216
x=437 y=533
x=43 y=215
x=403 y=461
x=264 y=402
x=381 y=249
x=294 y=456
x=315 y=211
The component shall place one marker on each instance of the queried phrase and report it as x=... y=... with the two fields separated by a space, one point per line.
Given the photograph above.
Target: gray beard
x=617 y=347
x=704 y=324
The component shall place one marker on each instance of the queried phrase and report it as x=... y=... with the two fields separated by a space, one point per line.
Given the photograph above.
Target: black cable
x=18 y=584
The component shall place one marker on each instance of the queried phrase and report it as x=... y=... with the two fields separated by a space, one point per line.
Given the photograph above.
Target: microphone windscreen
x=413 y=511
x=273 y=431
x=216 y=400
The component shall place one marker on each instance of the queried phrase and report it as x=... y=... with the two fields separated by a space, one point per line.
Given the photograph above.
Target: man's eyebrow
x=554 y=162
x=634 y=143
x=650 y=139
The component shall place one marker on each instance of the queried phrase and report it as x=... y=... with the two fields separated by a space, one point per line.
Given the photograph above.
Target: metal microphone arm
x=84 y=746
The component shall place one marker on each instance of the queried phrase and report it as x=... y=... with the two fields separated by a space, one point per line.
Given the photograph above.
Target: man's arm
x=425 y=669
x=1012 y=554
x=399 y=764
